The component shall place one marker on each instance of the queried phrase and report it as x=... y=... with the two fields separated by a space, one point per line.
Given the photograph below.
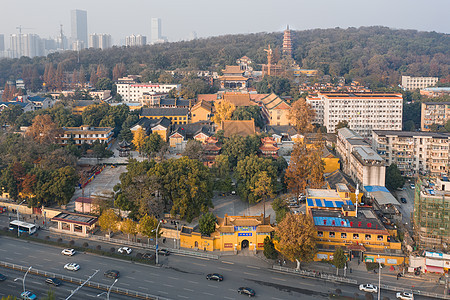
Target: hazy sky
x=214 y=17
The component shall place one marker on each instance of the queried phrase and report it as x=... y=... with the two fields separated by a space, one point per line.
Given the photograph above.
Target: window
x=320 y=233
x=77 y=228
x=343 y=235
x=368 y=237
x=331 y=234
x=379 y=238
x=65 y=226
x=355 y=236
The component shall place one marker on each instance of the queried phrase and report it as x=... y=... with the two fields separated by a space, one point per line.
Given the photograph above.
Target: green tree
x=139 y=139
x=152 y=144
x=109 y=221
x=269 y=249
x=339 y=259
x=207 y=223
x=104 y=84
x=248 y=113
x=394 y=178
x=280 y=208
x=128 y=226
x=62 y=185
x=100 y=150
x=342 y=124
x=409 y=126
x=147 y=226
x=235 y=148
x=193 y=150
x=93 y=114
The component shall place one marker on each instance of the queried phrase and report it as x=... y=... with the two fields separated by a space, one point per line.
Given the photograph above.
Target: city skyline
x=213 y=20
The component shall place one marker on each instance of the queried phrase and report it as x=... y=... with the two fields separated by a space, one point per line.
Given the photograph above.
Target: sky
x=213 y=17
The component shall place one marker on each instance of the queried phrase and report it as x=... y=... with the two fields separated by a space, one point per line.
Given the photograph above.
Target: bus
x=22 y=227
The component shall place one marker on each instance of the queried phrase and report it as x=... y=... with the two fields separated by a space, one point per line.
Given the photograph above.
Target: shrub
x=59 y=240
x=71 y=243
x=85 y=245
x=338 y=291
x=98 y=247
x=269 y=249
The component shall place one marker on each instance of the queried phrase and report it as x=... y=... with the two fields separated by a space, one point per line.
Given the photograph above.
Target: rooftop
x=412 y=133
x=163 y=111
x=367 y=156
x=321 y=193
x=366 y=219
x=75 y=218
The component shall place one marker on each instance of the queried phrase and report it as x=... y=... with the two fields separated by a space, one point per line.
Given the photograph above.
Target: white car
x=72 y=267
x=69 y=252
x=412 y=186
x=124 y=250
x=405 y=296
x=370 y=288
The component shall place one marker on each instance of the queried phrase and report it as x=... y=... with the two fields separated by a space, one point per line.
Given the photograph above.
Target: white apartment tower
x=135 y=40
x=316 y=104
x=364 y=112
x=26 y=45
x=100 y=41
x=155 y=30
x=413 y=83
x=79 y=28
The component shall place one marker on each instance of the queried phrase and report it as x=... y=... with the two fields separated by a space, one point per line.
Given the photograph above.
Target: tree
x=339 y=259
x=153 y=144
x=139 y=139
x=193 y=150
x=100 y=150
x=224 y=111
x=281 y=208
x=119 y=70
x=44 y=130
x=207 y=223
x=263 y=188
x=409 y=126
x=128 y=226
x=147 y=226
x=302 y=115
x=235 y=148
x=94 y=114
x=342 y=124
x=248 y=113
x=295 y=234
x=104 y=84
x=394 y=178
x=269 y=249
x=109 y=221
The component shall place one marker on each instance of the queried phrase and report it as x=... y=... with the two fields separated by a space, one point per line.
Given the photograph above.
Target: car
x=164 y=252
x=53 y=281
x=214 y=276
x=69 y=252
x=370 y=288
x=2 y=277
x=112 y=274
x=412 y=186
x=403 y=200
x=246 y=291
x=125 y=250
x=405 y=296
x=27 y=295
x=72 y=267
x=148 y=255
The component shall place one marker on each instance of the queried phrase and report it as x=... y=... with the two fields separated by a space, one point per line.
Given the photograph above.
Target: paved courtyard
x=234 y=206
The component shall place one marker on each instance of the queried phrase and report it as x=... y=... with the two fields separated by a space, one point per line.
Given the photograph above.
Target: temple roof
x=238 y=127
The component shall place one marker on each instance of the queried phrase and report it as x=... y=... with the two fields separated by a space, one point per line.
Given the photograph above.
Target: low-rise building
x=413 y=83
x=238 y=127
x=176 y=115
x=76 y=224
x=275 y=110
x=86 y=135
x=233 y=78
x=201 y=111
x=434 y=113
x=131 y=91
x=160 y=126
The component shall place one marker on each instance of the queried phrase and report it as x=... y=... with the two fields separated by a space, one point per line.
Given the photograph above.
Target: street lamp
x=156 y=250
x=109 y=290
x=379 y=277
x=23 y=279
x=18 y=205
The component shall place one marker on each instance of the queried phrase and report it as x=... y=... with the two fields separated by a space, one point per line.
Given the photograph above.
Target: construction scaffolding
x=432 y=213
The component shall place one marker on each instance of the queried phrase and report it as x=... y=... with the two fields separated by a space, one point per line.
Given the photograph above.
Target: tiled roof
x=232 y=70
x=189 y=130
x=280 y=130
x=272 y=101
x=202 y=104
x=238 y=99
x=239 y=127
x=233 y=78
x=163 y=111
x=207 y=97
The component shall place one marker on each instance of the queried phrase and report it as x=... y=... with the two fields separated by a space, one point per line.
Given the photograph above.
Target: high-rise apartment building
x=2 y=43
x=135 y=40
x=100 y=41
x=26 y=45
x=434 y=113
x=79 y=28
x=363 y=112
x=316 y=104
x=414 y=152
x=155 y=30
x=412 y=83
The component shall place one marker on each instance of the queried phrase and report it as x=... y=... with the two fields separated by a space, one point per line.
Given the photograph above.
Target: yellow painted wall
x=331 y=164
x=222 y=242
x=174 y=141
x=200 y=114
x=388 y=259
x=162 y=133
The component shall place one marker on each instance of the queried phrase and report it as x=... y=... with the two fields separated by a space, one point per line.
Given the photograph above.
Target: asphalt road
x=179 y=278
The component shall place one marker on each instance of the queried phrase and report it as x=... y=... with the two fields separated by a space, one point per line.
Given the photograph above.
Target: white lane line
x=214 y=286
x=209 y=294
x=3 y=250
x=46 y=259
x=228 y=262
x=8 y=258
x=131 y=277
x=232 y=290
x=168 y=285
x=192 y=282
x=32 y=256
x=278 y=279
x=228 y=298
x=250 y=274
x=149 y=281
x=183 y=297
x=142 y=287
x=225 y=269
x=203 y=265
x=253 y=267
x=276 y=298
x=123 y=283
x=39 y=265
x=163 y=292
x=186 y=289
x=174 y=278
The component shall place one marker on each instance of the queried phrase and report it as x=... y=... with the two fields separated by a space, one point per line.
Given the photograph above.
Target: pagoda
x=287 y=42
x=124 y=148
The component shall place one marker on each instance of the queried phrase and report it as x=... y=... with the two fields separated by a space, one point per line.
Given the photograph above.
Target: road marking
x=203 y=265
x=228 y=262
x=39 y=265
x=32 y=256
x=163 y=292
x=142 y=287
x=253 y=267
x=276 y=298
x=228 y=298
x=46 y=259
x=3 y=250
x=214 y=286
x=8 y=258
x=183 y=297
x=278 y=279
x=123 y=283
x=174 y=278
x=209 y=294
x=250 y=274
x=225 y=269
x=168 y=285
x=131 y=277
x=188 y=289
x=192 y=282
x=149 y=281
x=232 y=290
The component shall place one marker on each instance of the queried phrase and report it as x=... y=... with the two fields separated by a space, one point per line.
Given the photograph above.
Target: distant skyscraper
x=287 y=43
x=26 y=45
x=100 y=41
x=155 y=30
x=135 y=40
x=79 y=27
x=2 y=43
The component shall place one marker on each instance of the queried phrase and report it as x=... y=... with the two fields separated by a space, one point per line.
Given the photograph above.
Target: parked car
x=246 y=291
x=114 y=274
x=403 y=200
x=214 y=276
x=163 y=252
x=125 y=250
x=412 y=186
x=148 y=255
x=27 y=295
x=53 y=281
x=72 y=267
x=370 y=288
x=405 y=296
x=69 y=252
x=2 y=277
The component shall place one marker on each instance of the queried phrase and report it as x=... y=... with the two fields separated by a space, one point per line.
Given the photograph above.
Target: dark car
x=163 y=252
x=246 y=291
x=112 y=274
x=53 y=281
x=2 y=277
x=403 y=200
x=214 y=276
x=148 y=256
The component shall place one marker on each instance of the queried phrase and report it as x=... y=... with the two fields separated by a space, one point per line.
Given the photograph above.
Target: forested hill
x=370 y=54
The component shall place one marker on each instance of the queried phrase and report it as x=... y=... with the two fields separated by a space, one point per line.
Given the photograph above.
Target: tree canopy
x=394 y=178
x=207 y=223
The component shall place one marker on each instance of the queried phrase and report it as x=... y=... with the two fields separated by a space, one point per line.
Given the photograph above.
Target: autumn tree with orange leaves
x=44 y=130
x=224 y=111
x=295 y=236
x=301 y=116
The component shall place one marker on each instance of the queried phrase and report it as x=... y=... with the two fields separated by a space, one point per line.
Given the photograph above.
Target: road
x=179 y=278
x=406 y=208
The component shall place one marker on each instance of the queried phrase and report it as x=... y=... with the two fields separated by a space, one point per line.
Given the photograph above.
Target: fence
x=148 y=246
x=353 y=281
x=92 y=284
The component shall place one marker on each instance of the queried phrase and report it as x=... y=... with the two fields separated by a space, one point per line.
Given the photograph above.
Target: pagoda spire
x=287 y=42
